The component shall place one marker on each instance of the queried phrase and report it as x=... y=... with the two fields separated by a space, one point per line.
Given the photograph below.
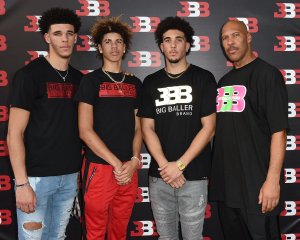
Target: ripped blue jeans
x=185 y=205
x=55 y=196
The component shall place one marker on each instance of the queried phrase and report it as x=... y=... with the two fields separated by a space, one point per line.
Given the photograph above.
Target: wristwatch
x=180 y=165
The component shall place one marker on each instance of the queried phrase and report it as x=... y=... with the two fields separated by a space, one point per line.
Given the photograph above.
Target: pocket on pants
x=90 y=178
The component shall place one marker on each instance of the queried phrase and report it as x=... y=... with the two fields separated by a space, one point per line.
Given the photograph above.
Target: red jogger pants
x=107 y=205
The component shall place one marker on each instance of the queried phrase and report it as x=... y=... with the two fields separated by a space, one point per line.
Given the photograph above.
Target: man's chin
x=174 y=60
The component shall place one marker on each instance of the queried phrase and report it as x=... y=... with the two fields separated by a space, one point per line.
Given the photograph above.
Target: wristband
x=136 y=158
x=22 y=185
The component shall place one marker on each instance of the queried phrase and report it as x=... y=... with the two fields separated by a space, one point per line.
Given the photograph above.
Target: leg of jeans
x=192 y=199
x=232 y=223
x=38 y=216
x=120 y=210
x=62 y=204
x=165 y=209
x=100 y=190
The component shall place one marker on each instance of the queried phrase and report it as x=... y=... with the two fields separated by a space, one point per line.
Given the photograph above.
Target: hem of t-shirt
x=84 y=101
x=151 y=174
x=21 y=107
x=39 y=174
x=207 y=114
x=144 y=115
x=279 y=129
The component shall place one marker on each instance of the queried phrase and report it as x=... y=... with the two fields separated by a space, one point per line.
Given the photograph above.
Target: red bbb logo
x=142 y=195
x=287 y=10
x=35 y=54
x=3 y=148
x=93 y=8
x=290 y=236
x=33 y=24
x=292 y=208
x=201 y=43
x=292 y=175
x=291 y=76
x=287 y=44
x=85 y=44
x=3 y=113
x=194 y=9
x=208 y=211
x=294 y=110
x=146 y=159
x=4 y=183
x=5 y=217
x=293 y=143
x=3 y=45
x=3 y=78
x=2 y=7
x=144 y=24
x=145 y=59
x=144 y=228
x=251 y=23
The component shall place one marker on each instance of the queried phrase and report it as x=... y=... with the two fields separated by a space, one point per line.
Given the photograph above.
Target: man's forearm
x=277 y=154
x=200 y=141
x=16 y=150
x=93 y=141
x=152 y=141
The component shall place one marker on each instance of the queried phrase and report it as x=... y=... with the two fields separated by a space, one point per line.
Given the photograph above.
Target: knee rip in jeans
x=32 y=226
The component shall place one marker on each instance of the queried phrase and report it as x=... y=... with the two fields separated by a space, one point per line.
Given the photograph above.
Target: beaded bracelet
x=134 y=157
x=22 y=185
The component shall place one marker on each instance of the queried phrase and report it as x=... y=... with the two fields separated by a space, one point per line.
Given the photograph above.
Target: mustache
x=232 y=48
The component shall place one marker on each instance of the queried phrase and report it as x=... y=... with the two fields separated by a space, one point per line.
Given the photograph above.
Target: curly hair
x=111 y=25
x=58 y=16
x=175 y=23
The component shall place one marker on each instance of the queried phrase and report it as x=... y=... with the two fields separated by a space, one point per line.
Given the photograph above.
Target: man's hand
x=178 y=182
x=269 y=196
x=169 y=172
x=26 y=199
x=124 y=175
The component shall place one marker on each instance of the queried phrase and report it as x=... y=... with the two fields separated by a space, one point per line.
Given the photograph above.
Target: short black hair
x=175 y=23
x=58 y=16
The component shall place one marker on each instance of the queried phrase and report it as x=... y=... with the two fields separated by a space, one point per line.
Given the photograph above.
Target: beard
x=174 y=60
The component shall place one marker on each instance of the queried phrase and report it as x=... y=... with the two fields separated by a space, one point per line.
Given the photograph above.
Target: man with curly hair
x=43 y=137
x=178 y=122
x=108 y=103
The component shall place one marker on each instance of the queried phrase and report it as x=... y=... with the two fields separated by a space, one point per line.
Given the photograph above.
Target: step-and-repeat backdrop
x=275 y=27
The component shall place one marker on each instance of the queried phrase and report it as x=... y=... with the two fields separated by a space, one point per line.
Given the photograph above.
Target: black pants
x=237 y=224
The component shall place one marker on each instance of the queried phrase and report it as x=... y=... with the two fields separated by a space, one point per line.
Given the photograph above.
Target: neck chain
x=63 y=77
x=115 y=81
x=178 y=76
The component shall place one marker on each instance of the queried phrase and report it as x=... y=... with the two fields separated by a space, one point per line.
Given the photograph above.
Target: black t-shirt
x=177 y=106
x=251 y=106
x=52 y=142
x=113 y=111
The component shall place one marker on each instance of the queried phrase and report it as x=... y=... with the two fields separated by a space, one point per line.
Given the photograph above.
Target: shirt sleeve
x=275 y=102
x=147 y=109
x=23 y=91
x=208 y=104
x=87 y=91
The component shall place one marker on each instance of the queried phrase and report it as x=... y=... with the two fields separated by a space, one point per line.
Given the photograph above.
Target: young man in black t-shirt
x=250 y=141
x=178 y=122
x=43 y=137
x=108 y=103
